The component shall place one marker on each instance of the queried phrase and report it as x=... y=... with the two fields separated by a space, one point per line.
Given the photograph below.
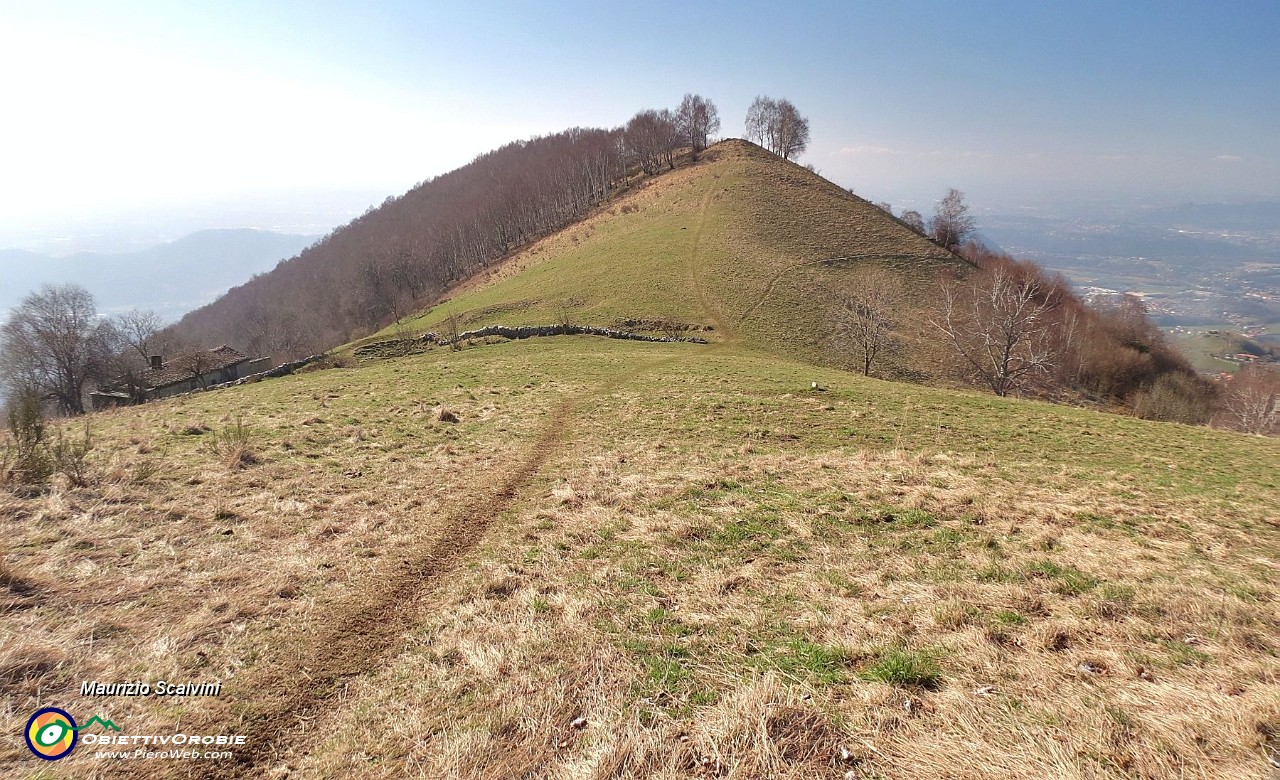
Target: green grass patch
x=1067 y=580
x=1009 y=617
x=900 y=666
x=664 y=622
x=1115 y=601
x=842 y=584
x=665 y=667
x=1126 y=525
x=898 y=518
x=811 y=661
x=996 y=573
x=1184 y=654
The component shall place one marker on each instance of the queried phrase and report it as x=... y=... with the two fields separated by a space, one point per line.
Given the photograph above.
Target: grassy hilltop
x=581 y=558
x=754 y=248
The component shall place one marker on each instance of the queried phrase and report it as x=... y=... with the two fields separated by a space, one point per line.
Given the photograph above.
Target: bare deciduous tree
x=257 y=328
x=669 y=136
x=651 y=138
x=1251 y=403
x=406 y=272
x=758 y=118
x=378 y=299
x=866 y=321
x=912 y=219
x=696 y=119
x=139 y=337
x=952 y=223
x=1175 y=397
x=138 y=329
x=778 y=126
x=54 y=345
x=792 y=134
x=1001 y=324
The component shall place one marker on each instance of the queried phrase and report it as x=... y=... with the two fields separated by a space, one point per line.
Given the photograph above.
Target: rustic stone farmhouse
x=183 y=373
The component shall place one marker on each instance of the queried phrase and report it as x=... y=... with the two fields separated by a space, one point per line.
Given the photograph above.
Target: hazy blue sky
x=115 y=107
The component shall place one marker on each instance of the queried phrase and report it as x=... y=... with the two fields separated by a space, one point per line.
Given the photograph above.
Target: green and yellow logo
x=52 y=733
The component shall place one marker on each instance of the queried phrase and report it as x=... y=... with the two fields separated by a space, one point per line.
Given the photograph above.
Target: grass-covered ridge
x=750 y=245
x=688 y=563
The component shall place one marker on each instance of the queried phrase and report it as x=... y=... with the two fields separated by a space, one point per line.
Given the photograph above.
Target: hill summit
x=739 y=245
x=738 y=240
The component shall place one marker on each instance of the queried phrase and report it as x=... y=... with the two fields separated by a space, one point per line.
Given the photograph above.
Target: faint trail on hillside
x=711 y=311
x=768 y=289
x=773 y=281
x=282 y=695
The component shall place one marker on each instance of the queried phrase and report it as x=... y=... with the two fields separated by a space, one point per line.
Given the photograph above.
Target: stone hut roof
x=180 y=367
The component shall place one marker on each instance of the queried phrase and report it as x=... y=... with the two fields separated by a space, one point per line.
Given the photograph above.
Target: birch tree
x=696 y=119
x=1002 y=325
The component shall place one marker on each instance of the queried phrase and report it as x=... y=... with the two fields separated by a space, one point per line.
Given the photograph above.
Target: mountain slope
x=414 y=246
x=742 y=241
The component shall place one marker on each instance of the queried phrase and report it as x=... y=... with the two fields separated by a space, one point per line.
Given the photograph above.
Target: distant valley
x=170 y=279
x=1197 y=264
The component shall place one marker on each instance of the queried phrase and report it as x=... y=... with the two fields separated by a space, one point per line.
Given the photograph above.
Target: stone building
x=183 y=373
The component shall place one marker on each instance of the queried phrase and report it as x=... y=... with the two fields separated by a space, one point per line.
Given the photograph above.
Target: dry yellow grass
x=1066 y=650
x=680 y=563
x=195 y=545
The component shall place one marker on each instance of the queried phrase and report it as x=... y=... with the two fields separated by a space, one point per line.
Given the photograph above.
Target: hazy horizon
x=142 y=108
x=319 y=212
x=291 y=213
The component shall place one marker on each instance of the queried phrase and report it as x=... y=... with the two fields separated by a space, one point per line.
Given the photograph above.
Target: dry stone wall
x=408 y=346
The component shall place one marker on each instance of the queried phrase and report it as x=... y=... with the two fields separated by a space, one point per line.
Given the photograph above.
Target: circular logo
x=51 y=733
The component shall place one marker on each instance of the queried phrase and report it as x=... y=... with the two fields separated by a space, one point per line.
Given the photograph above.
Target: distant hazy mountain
x=170 y=279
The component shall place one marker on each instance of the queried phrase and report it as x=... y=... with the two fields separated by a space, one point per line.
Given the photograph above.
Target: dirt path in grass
x=276 y=702
x=722 y=327
x=280 y=696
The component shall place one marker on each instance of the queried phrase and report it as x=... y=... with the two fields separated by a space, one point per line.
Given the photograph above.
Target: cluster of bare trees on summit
x=777 y=126
x=653 y=137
